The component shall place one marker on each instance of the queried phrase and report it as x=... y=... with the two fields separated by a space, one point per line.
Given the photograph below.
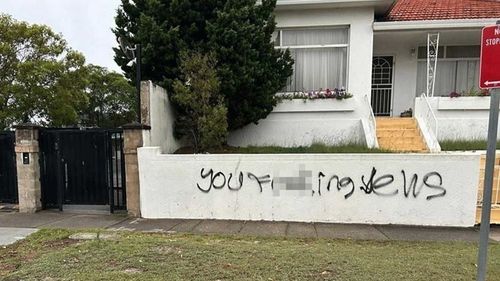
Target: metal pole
x=138 y=80
x=482 y=258
x=59 y=172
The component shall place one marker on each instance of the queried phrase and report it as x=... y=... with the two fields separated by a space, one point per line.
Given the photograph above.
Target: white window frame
x=444 y=58
x=318 y=46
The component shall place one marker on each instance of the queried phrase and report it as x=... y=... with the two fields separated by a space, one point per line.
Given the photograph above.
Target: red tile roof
x=414 y=10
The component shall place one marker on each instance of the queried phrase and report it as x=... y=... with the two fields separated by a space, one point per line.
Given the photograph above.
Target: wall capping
x=136 y=126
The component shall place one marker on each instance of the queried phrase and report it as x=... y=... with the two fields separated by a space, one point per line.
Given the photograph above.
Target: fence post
x=133 y=139
x=28 y=168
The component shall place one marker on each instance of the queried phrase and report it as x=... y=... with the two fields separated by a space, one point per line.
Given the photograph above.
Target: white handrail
x=433 y=116
x=372 y=120
x=372 y=116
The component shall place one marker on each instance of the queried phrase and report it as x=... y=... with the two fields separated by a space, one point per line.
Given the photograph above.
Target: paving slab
x=9 y=235
x=301 y=230
x=219 y=226
x=348 y=231
x=87 y=221
x=186 y=226
x=264 y=228
x=414 y=233
x=39 y=219
x=6 y=207
x=134 y=224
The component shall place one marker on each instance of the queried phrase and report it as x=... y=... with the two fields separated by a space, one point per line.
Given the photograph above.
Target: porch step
x=382 y=133
x=396 y=123
x=397 y=140
x=400 y=134
x=395 y=120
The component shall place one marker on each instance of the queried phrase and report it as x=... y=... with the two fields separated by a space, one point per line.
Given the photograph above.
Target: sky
x=85 y=24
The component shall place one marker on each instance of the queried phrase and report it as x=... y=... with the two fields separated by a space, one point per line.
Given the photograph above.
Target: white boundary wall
x=158 y=113
x=462 y=118
x=291 y=123
x=304 y=122
x=372 y=187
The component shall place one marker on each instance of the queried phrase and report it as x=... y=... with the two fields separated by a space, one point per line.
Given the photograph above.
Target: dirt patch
x=7 y=268
x=132 y=270
x=60 y=243
x=167 y=250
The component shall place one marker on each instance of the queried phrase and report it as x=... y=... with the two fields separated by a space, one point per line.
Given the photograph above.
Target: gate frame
x=111 y=185
x=11 y=137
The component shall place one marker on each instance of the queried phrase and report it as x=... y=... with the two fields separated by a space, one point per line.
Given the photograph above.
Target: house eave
x=380 y=6
x=433 y=24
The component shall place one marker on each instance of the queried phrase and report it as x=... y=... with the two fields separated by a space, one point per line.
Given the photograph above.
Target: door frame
x=393 y=81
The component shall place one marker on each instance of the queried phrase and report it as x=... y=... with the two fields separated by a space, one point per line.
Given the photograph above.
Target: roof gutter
x=317 y=4
x=433 y=24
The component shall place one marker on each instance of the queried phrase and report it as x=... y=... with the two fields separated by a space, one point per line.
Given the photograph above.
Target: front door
x=382 y=76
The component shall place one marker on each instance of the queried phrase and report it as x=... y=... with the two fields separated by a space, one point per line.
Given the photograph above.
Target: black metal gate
x=82 y=167
x=382 y=85
x=8 y=173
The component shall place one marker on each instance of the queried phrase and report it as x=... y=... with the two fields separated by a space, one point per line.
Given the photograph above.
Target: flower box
x=464 y=103
x=316 y=105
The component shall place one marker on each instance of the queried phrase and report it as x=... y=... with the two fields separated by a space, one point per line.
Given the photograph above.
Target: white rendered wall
x=360 y=22
x=295 y=187
x=321 y=120
x=463 y=118
x=304 y=122
x=158 y=113
x=400 y=44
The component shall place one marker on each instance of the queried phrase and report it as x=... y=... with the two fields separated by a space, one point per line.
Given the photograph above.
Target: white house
x=378 y=51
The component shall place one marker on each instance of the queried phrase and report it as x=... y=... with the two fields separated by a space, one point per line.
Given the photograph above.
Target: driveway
x=9 y=235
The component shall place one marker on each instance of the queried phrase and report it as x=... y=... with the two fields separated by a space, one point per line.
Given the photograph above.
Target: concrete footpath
x=20 y=225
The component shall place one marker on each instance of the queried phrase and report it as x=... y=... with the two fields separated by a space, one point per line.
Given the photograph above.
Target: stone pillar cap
x=136 y=126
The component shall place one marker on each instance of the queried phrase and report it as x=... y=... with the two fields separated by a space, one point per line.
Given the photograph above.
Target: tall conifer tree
x=237 y=32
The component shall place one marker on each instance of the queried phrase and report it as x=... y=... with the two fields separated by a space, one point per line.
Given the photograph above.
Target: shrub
x=202 y=113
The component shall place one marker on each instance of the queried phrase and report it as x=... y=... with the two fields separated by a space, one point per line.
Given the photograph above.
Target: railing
x=430 y=113
x=430 y=121
x=372 y=121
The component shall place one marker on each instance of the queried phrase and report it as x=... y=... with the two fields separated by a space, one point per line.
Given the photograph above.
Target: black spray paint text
x=385 y=185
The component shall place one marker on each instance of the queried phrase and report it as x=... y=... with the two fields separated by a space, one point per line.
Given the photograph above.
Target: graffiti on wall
x=386 y=185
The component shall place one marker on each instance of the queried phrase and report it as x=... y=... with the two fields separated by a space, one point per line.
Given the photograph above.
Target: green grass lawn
x=314 y=148
x=50 y=255
x=460 y=145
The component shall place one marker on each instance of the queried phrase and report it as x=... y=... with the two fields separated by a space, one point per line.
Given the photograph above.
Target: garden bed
x=315 y=148
x=464 y=145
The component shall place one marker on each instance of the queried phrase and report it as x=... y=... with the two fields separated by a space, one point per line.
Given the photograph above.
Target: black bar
x=60 y=190
x=123 y=174
x=110 y=172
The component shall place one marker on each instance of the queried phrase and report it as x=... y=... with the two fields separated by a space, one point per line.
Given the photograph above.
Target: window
x=320 y=56
x=457 y=70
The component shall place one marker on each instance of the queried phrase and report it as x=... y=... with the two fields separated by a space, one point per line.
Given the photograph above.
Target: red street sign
x=489 y=73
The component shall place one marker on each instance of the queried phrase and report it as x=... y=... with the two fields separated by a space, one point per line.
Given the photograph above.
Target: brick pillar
x=133 y=139
x=28 y=168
